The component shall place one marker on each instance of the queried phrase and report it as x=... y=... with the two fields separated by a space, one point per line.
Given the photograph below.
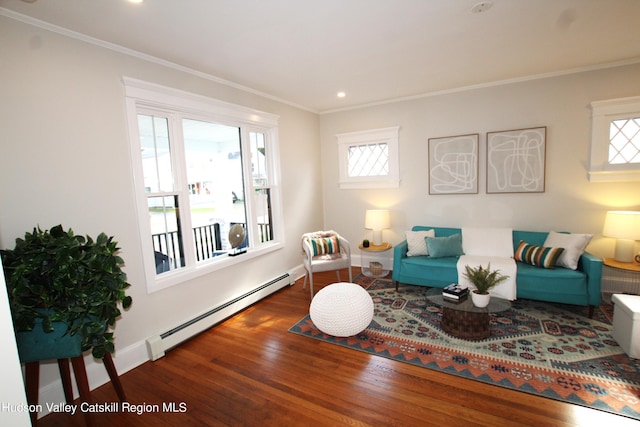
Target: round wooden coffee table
x=464 y=320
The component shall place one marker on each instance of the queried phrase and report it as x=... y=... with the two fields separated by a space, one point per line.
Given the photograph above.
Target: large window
x=206 y=175
x=615 y=140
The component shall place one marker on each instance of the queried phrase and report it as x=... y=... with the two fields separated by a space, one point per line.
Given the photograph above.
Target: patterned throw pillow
x=416 y=243
x=538 y=256
x=325 y=245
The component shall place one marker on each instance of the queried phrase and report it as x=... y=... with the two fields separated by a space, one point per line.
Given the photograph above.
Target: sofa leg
x=397 y=283
x=591 y=308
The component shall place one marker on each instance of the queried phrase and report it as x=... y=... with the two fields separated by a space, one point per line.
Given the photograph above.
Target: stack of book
x=455 y=293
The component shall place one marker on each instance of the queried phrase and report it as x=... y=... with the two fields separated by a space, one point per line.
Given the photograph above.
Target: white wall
x=569 y=202
x=65 y=159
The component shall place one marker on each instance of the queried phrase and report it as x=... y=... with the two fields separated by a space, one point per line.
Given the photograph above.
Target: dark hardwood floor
x=250 y=371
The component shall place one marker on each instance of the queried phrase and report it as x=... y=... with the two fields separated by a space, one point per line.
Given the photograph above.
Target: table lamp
x=625 y=227
x=377 y=220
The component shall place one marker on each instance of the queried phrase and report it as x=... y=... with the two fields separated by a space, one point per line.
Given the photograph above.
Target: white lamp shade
x=622 y=225
x=625 y=227
x=377 y=219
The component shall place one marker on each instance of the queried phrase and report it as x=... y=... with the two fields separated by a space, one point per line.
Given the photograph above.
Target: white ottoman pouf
x=626 y=323
x=341 y=309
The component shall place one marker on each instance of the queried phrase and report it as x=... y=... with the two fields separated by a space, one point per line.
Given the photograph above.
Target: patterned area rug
x=551 y=350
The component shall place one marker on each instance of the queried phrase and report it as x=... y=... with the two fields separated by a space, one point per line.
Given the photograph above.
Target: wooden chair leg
x=113 y=374
x=65 y=376
x=32 y=383
x=82 y=381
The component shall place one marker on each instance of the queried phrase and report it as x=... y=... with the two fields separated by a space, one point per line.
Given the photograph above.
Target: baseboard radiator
x=159 y=344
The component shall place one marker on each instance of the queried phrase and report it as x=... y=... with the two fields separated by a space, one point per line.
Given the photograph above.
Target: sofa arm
x=399 y=251
x=592 y=266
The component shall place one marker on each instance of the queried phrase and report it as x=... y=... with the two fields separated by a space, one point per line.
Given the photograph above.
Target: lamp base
x=377 y=237
x=624 y=250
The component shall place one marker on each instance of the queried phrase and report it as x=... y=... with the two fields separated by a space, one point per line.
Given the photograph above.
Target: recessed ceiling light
x=341 y=94
x=135 y=1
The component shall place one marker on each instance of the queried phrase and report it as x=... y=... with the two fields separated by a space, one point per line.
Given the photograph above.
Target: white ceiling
x=303 y=52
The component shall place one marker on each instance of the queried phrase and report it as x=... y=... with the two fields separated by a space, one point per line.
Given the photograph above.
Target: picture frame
x=516 y=161
x=453 y=164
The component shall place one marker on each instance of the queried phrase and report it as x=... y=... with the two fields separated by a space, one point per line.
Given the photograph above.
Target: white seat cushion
x=327 y=264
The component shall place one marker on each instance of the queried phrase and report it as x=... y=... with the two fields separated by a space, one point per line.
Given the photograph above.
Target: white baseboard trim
x=296 y=273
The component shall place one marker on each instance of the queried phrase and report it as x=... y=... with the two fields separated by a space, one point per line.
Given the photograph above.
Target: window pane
x=624 y=141
x=156 y=154
x=166 y=234
x=258 y=159
x=215 y=184
x=368 y=160
x=265 y=220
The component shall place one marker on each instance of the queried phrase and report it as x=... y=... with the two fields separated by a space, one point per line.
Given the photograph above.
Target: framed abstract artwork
x=453 y=165
x=516 y=161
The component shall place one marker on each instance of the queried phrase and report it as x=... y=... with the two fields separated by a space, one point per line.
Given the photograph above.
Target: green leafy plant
x=483 y=278
x=58 y=276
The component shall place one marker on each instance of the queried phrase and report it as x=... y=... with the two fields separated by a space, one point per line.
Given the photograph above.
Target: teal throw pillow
x=444 y=246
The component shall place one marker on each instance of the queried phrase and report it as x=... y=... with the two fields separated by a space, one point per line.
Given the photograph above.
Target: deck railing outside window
x=208 y=241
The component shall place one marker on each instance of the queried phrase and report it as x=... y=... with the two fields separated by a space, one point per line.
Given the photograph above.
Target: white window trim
x=602 y=114
x=141 y=94
x=374 y=136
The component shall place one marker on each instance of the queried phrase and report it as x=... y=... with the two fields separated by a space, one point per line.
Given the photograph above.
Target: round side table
x=371 y=259
x=620 y=277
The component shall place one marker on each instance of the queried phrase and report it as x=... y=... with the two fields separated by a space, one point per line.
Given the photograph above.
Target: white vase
x=480 y=300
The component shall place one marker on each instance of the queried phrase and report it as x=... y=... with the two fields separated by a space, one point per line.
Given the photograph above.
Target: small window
x=624 y=141
x=369 y=159
x=615 y=140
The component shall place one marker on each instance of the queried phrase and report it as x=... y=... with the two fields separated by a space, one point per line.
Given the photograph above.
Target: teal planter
x=38 y=345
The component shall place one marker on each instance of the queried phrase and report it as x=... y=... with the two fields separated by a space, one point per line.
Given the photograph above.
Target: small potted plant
x=56 y=278
x=365 y=243
x=483 y=279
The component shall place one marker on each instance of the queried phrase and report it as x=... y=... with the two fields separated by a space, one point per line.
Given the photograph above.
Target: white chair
x=325 y=251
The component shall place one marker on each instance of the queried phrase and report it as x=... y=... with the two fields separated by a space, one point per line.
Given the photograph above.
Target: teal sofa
x=578 y=287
